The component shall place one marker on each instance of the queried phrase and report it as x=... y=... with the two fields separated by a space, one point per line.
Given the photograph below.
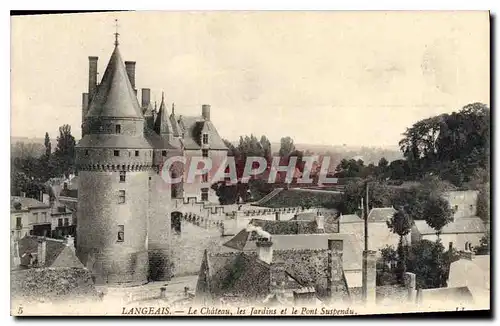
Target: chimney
x=46 y=199
x=92 y=76
x=265 y=250
x=410 y=283
x=277 y=215
x=70 y=242
x=42 y=251
x=205 y=112
x=335 y=268
x=369 y=276
x=320 y=222
x=146 y=97
x=130 y=67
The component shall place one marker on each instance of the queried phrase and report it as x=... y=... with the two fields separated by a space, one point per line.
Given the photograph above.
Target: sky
x=329 y=78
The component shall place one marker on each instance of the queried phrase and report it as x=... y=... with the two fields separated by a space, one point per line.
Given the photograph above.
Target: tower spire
x=173 y=108
x=116 y=32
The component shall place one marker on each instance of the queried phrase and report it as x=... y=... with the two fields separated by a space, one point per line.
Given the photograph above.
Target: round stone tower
x=114 y=161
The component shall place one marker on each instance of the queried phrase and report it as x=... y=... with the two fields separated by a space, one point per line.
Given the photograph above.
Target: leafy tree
x=232 y=151
x=65 y=151
x=400 y=224
x=450 y=145
x=484 y=245
x=437 y=213
x=386 y=274
x=430 y=263
x=286 y=147
x=483 y=203
x=48 y=145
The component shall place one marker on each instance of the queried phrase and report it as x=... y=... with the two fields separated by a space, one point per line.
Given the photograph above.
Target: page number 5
x=20 y=310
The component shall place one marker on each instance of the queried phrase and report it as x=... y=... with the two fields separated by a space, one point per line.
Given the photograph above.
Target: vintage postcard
x=250 y=163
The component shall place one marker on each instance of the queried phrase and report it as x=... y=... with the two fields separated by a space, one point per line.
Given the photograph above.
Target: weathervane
x=116 y=32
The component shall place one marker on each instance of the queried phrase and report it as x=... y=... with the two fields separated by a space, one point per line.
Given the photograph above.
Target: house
x=473 y=272
x=275 y=271
x=379 y=234
x=463 y=233
x=36 y=252
x=463 y=203
x=301 y=246
x=29 y=216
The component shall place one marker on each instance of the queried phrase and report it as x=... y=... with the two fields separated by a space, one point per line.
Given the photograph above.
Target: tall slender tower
x=114 y=160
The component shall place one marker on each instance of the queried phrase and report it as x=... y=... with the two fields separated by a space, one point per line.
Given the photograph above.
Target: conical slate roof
x=163 y=125
x=115 y=96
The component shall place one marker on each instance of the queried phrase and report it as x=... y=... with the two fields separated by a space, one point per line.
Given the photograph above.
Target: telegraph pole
x=365 y=267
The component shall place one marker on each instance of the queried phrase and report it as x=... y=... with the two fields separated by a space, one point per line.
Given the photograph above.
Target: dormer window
x=163 y=153
x=118 y=129
x=204 y=152
x=116 y=153
x=205 y=139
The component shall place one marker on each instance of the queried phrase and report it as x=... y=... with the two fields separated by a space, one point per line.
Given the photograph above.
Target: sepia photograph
x=250 y=163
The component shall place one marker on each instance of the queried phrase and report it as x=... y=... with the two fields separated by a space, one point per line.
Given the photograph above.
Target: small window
x=204 y=194
x=35 y=216
x=116 y=153
x=60 y=222
x=204 y=152
x=205 y=138
x=121 y=233
x=44 y=217
x=66 y=222
x=122 y=176
x=136 y=153
x=86 y=152
x=121 y=197
x=163 y=153
x=19 y=224
x=204 y=177
x=118 y=129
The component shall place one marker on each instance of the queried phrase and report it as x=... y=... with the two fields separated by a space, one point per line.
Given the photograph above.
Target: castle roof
x=193 y=126
x=162 y=123
x=115 y=96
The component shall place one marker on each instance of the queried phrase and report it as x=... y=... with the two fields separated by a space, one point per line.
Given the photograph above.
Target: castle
x=124 y=204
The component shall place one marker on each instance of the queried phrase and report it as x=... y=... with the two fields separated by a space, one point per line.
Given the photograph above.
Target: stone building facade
x=124 y=203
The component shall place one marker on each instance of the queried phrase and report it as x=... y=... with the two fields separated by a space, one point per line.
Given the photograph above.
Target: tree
x=400 y=224
x=484 y=245
x=449 y=145
x=266 y=148
x=48 y=145
x=286 y=147
x=385 y=266
x=430 y=263
x=483 y=203
x=437 y=213
x=65 y=151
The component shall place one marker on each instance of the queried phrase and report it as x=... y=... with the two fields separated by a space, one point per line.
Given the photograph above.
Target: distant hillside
x=24 y=146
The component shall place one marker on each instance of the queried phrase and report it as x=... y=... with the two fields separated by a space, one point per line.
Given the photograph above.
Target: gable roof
x=473 y=273
x=192 y=128
x=115 y=96
x=461 y=225
x=381 y=214
x=350 y=218
x=26 y=203
x=58 y=254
